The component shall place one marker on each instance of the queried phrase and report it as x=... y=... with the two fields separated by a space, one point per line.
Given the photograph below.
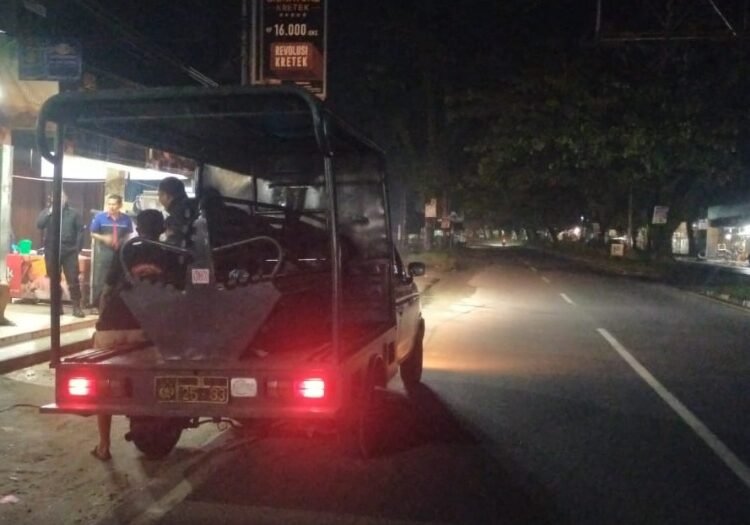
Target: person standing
x=71 y=242
x=109 y=229
x=116 y=325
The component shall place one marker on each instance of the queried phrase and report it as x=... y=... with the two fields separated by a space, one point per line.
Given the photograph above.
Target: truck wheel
x=155 y=437
x=411 y=367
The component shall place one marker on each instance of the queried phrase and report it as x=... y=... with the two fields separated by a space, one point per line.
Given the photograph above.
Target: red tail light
x=313 y=388
x=80 y=386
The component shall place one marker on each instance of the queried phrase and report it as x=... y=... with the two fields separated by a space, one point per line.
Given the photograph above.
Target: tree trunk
x=692 y=241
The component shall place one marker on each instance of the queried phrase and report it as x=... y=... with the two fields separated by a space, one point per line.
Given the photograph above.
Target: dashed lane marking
x=546 y=280
x=728 y=457
x=567 y=299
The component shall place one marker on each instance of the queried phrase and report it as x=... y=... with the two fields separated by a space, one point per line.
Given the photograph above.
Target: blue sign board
x=49 y=61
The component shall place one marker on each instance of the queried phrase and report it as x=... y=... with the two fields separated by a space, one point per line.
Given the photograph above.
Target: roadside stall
x=728 y=236
x=137 y=187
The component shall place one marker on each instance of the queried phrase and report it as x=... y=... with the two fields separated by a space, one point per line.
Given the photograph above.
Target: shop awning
x=83 y=168
x=232 y=127
x=19 y=100
x=729 y=215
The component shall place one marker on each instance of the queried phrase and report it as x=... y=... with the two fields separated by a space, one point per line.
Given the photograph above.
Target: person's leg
x=101 y=451
x=48 y=268
x=70 y=269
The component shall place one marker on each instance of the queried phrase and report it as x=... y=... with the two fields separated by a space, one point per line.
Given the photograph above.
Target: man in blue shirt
x=109 y=229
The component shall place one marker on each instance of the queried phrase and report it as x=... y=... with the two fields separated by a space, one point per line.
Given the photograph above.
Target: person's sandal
x=98 y=455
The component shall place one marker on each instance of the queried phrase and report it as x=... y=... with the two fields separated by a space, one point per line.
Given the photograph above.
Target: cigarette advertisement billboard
x=293 y=43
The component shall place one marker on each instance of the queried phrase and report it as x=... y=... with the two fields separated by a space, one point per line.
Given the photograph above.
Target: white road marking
x=567 y=299
x=532 y=269
x=728 y=457
x=546 y=280
x=201 y=471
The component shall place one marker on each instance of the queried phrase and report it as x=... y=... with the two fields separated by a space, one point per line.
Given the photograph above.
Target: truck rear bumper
x=196 y=411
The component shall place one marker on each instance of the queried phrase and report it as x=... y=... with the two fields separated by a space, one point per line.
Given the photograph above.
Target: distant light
x=2 y=93
x=2 y=31
x=728 y=237
x=577 y=231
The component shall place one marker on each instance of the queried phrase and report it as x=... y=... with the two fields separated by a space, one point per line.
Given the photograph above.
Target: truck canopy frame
x=225 y=127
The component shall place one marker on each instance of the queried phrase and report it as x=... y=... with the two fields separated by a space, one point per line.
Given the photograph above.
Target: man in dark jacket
x=180 y=208
x=71 y=240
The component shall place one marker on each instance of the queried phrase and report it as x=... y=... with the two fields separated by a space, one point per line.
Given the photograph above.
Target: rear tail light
x=80 y=386
x=310 y=388
x=313 y=388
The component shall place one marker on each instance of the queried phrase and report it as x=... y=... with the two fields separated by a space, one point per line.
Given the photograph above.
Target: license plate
x=192 y=389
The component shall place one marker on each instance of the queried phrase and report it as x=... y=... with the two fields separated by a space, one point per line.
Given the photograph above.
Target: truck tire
x=155 y=437
x=411 y=367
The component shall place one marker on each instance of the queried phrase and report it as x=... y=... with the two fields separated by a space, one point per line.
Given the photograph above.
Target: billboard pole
x=243 y=51
x=254 y=42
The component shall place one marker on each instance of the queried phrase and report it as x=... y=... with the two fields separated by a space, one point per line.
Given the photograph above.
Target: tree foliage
x=574 y=136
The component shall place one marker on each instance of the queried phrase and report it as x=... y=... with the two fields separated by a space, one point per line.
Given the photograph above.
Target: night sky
x=472 y=38
x=514 y=101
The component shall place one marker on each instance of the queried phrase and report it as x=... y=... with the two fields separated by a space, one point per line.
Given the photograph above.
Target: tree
x=584 y=130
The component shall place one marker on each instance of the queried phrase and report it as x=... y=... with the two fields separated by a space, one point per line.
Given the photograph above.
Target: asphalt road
x=551 y=395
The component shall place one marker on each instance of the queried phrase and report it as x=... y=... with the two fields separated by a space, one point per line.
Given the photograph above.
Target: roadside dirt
x=48 y=474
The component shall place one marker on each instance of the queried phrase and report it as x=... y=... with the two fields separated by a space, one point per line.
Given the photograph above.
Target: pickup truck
x=286 y=300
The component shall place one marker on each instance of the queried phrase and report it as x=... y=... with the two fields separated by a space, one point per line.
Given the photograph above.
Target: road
x=551 y=395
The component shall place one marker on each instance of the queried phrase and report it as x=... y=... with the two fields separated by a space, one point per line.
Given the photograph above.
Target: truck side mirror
x=415 y=269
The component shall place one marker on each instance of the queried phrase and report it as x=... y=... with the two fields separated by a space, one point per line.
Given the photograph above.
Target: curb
x=42 y=356
x=725 y=299
x=45 y=332
x=598 y=266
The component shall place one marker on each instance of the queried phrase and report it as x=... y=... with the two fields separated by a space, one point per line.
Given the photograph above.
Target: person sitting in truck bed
x=116 y=325
x=181 y=210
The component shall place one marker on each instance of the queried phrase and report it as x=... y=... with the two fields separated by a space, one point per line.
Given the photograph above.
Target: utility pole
x=630 y=216
x=244 y=50
x=249 y=43
x=6 y=190
x=254 y=43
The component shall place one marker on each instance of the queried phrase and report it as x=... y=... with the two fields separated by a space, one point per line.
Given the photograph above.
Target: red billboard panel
x=293 y=43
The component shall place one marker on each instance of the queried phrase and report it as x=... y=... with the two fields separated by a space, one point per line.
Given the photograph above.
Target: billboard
x=430 y=209
x=660 y=215
x=293 y=43
x=38 y=60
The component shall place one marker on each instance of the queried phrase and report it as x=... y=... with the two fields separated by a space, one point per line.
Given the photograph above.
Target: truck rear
x=284 y=300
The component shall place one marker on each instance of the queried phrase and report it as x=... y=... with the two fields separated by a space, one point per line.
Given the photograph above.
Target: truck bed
x=129 y=381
